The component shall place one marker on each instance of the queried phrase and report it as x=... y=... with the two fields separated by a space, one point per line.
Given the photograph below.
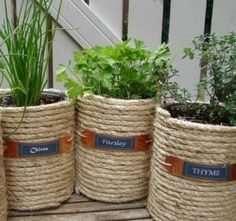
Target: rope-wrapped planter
x=204 y=188
x=39 y=157
x=112 y=175
x=3 y=197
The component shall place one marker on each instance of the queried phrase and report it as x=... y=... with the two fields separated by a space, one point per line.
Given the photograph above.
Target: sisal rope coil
x=39 y=182
x=113 y=176
x=3 y=197
x=173 y=198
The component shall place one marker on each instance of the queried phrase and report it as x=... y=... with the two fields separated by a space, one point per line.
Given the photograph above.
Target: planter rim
x=110 y=99
x=38 y=107
x=189 y=124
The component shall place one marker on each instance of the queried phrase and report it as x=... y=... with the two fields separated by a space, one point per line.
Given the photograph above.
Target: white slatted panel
x=145 y=21
x=85 y=26
x=224 y=16
x=186 y=21
x=1 y=12
x=2 y=15
x=63 y=49
x=110 y=12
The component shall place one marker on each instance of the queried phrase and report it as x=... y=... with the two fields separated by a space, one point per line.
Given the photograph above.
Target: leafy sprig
x=218 y=60
x=121 y=71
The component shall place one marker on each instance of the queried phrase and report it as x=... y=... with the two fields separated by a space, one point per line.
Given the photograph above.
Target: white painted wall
x=110 y=12
x=187 y=20
x=145 y=21
x=2 y=15
x=224 y=16
x=83 y=24
x=63 y=49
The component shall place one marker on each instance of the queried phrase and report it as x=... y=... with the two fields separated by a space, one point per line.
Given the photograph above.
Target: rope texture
x=173 y=198
x=113 y=176
x=40 y=182
x=3 y=197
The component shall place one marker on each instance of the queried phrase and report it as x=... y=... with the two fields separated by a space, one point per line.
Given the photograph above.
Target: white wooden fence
x=101 y=22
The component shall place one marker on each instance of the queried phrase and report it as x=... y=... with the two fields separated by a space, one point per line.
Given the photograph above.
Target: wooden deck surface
x=80 y=208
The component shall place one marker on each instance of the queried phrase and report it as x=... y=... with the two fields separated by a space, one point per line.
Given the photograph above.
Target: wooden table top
x=80 y=208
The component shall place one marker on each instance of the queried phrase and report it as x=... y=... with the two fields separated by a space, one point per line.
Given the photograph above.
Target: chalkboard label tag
x=117 y=143
x=197 y=171
x=36 y=150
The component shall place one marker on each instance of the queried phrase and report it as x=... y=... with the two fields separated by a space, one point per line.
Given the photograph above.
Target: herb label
x=197 y=171
x=117 y=143
x=35 y=150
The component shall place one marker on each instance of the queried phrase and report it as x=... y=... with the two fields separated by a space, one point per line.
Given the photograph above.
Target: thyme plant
x=24 y=64
x=218 y=59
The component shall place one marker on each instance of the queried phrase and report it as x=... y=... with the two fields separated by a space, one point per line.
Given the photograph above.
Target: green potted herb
x=37 y=124
x=3 y=196
x=115 y=88
x=193 y=170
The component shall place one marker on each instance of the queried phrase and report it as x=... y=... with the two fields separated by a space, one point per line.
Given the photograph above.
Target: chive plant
x=24 y=64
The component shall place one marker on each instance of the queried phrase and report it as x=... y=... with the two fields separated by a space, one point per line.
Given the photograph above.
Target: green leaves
x=188 y=52
x=120 y=71
x=61 y=73
x=2 y=64
x=21 y=88
x=74 y=90
x=24 y=65
x=218 y=62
